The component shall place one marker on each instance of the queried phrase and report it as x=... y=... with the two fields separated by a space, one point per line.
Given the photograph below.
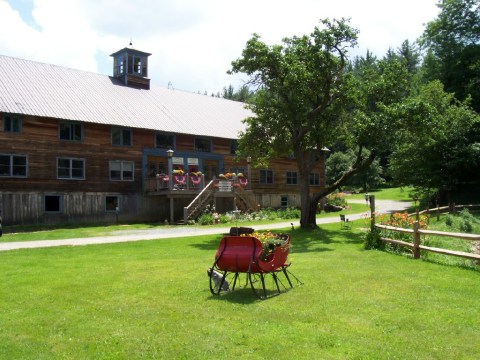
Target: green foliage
x=205 y=219
x=453 y=41
x=372 y=240
x=338 y=163
x=440 y=147
x=449 y=220
x=337 y=199
x=464 y=221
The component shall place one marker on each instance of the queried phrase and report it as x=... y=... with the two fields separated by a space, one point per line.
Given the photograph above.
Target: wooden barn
x=77 y=146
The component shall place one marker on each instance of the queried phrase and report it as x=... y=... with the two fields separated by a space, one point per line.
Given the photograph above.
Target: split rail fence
x=417 y=232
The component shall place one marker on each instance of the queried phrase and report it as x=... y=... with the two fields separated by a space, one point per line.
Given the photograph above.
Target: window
x=266 y=177
x=13 y=165
x=119 y=65
x=70 y=131
x=12 y=123
x=203 y=145
x=164 y=141
x=122 y=136
x=121 y=170
x=53 y=203
x=112 y=203
x=68 y=168
x=137 y=65
x=292 y=178
x=284 y=201
x=314 y=179
x=233 y=147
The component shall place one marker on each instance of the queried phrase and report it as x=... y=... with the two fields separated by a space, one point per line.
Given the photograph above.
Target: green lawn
x=150 y=299
x=397 y=194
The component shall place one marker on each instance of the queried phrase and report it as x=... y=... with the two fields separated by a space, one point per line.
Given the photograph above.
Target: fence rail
x=416 y=232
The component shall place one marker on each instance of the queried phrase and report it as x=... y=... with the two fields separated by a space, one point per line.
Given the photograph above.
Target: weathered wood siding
x=28 y=208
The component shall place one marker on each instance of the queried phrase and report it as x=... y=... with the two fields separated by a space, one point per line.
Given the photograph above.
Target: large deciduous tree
x=308 y=99
x=453 y=43
x=441 y=149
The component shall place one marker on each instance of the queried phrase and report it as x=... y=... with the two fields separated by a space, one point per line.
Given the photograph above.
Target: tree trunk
x=308 y=207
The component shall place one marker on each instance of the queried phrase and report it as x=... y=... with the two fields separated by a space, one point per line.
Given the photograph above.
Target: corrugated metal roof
x=33 y=88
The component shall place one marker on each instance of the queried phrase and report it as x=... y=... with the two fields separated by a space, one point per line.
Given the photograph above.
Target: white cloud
x=193 y=42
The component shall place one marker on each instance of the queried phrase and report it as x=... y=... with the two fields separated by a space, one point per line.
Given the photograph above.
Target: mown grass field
x=150 y=299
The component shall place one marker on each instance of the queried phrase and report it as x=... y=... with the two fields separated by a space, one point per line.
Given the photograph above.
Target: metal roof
x=33 y=88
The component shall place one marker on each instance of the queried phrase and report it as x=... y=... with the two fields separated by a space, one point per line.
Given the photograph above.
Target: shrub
x=336 y=199
x=372 y=240
x=449 y=220
x=205 y=219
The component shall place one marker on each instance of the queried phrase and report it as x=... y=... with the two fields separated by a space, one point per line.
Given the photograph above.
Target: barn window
x=13 y=165
x=122 y=136
x=314 y=179
x=233 y=147
x=53 y=203
x=71 y=131
x=12 y=123
x=121 y=170
x=112 y=203
x=203 y=145
x=164 y=141
x=266 y=177
x=292 y=178
x=283 y=201
x=69 y=168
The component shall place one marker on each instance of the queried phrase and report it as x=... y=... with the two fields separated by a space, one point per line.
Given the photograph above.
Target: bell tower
x=131 y=67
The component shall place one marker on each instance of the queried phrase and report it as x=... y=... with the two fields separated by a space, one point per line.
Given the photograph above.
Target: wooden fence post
x=372 y=212
x=416 y=240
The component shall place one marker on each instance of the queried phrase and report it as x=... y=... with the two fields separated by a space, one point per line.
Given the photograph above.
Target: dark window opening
x=165 y=141
x=53 y=203
x=266 y=177
x=292 y=178
x=71 y=131
x=122 y=137
x=112 y=203
x=203 y=145
x=13 y=165
x=12 y=123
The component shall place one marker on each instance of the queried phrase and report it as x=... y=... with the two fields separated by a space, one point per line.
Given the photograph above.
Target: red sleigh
x=264 y=268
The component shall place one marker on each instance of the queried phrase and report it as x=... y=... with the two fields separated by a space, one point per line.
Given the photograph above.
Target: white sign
x=224 y=185
x=177 y=160
x=192 y=161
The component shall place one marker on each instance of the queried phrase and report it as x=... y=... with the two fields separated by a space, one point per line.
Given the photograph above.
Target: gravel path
x=382 y=206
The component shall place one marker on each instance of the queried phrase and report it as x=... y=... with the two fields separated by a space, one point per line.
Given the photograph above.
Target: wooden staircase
x=244 y=201
x=194 y=209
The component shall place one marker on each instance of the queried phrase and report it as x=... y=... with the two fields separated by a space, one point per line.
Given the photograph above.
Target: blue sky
x=192 y=42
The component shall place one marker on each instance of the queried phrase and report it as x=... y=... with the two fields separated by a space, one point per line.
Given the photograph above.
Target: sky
x=192 y=42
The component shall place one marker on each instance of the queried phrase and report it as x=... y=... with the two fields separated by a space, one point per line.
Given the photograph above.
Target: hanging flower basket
x=180 y=179
x=243 y=181
x=195 y=179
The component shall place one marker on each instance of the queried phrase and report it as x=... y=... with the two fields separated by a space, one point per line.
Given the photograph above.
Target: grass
x=150 y=299
x=397 y=194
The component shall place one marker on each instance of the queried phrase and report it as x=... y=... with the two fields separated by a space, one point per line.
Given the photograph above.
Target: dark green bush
x=372 y=240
